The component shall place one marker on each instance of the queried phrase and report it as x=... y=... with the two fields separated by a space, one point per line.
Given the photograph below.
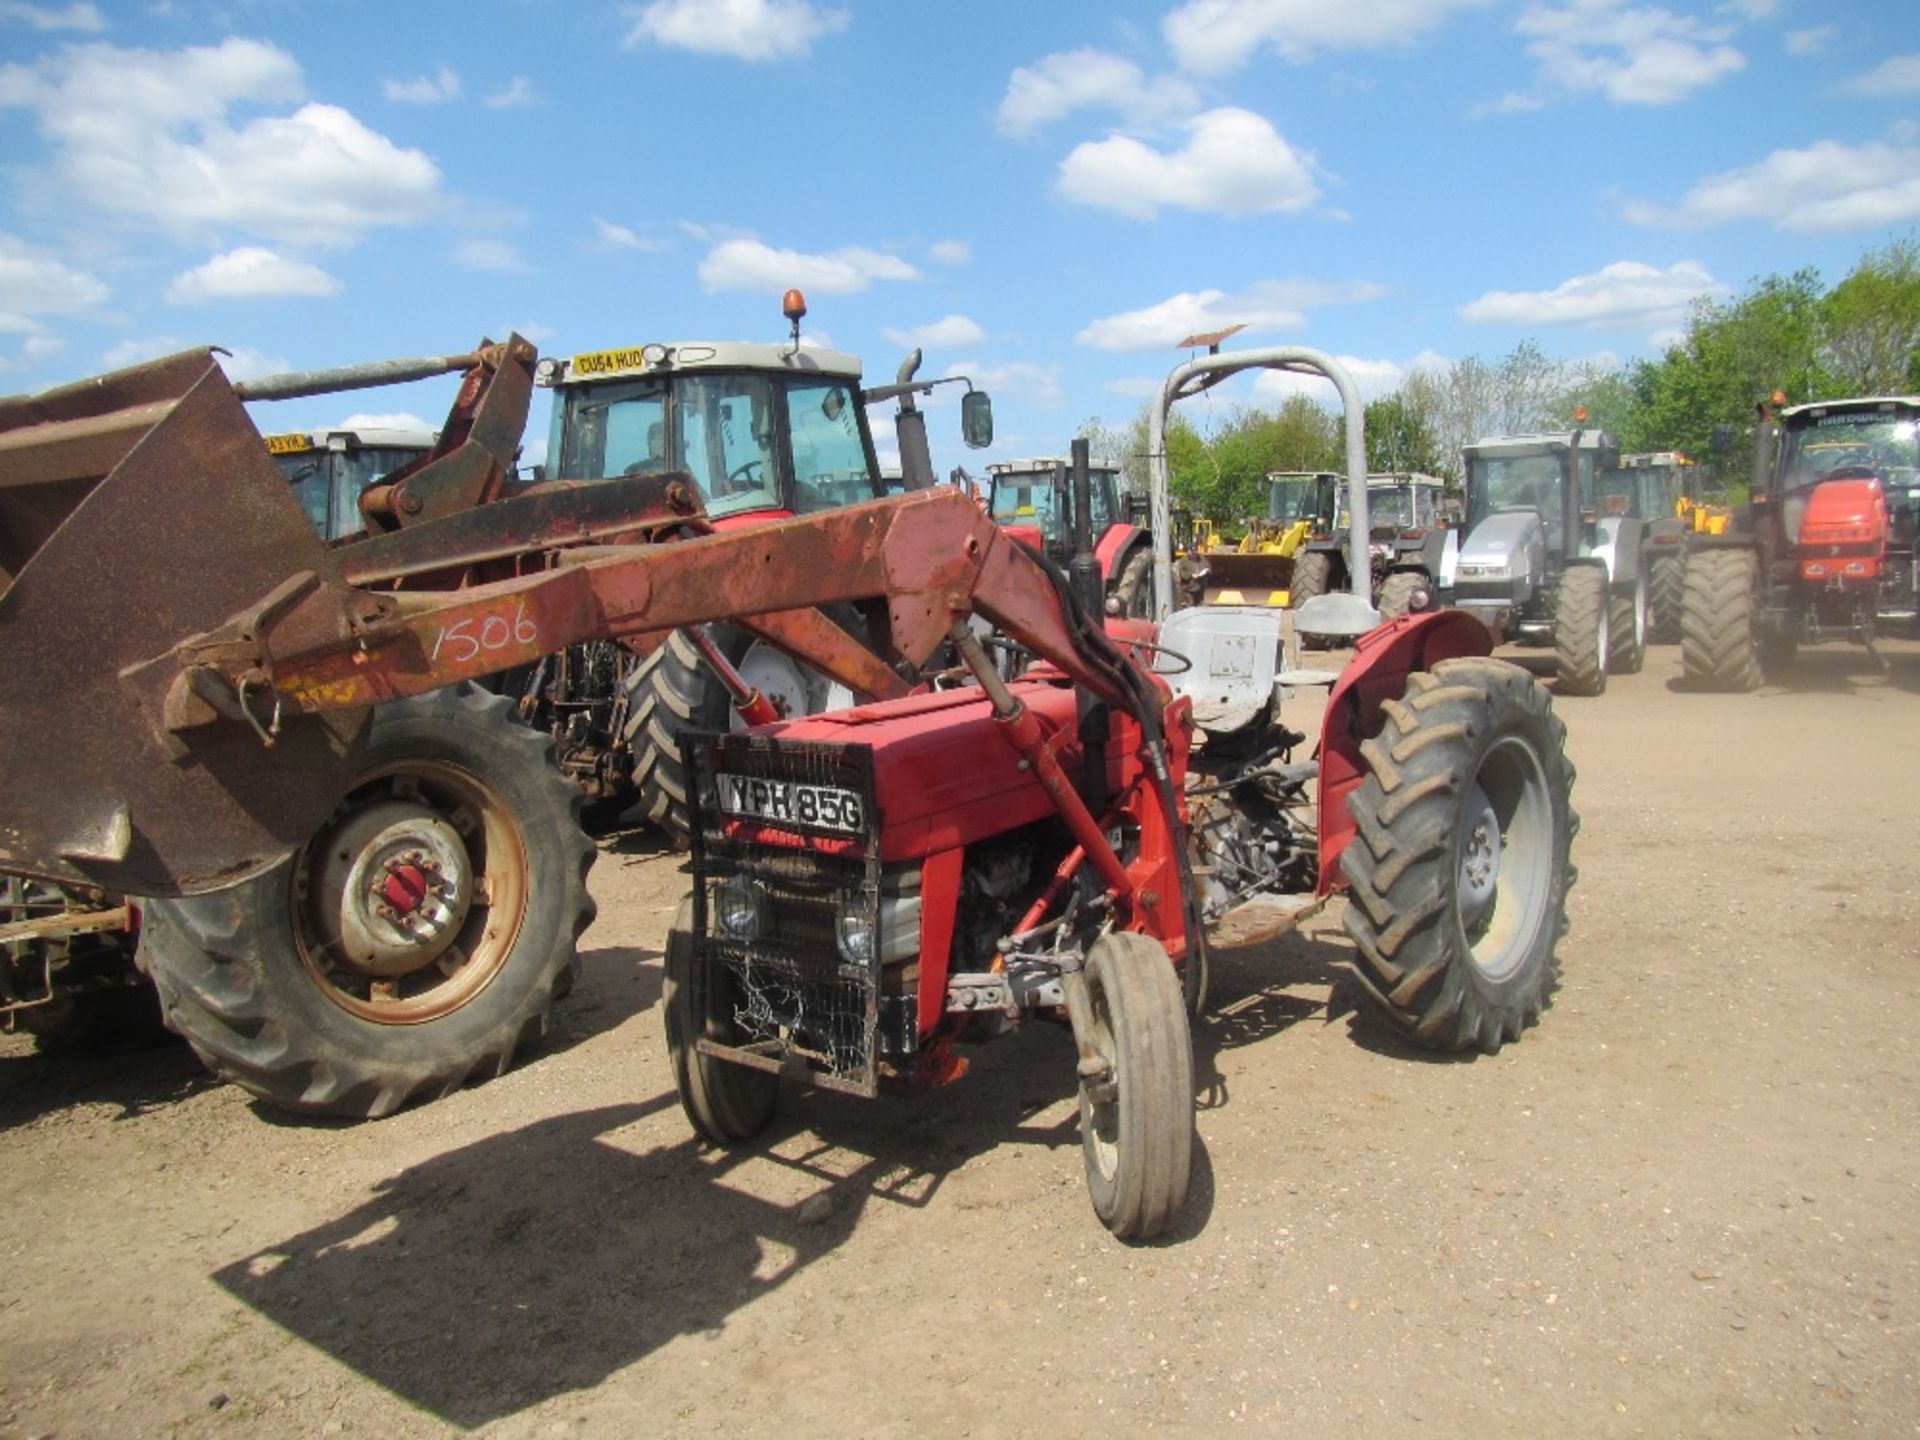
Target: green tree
x=1400 y=436
x=1870 y=325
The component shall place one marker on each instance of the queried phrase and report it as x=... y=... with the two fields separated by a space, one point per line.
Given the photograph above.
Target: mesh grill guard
x=793 y=992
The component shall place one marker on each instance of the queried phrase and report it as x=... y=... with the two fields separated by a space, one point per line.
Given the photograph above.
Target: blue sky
x=1044 y=196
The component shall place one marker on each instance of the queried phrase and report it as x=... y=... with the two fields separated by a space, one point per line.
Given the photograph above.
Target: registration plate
x=789 y=802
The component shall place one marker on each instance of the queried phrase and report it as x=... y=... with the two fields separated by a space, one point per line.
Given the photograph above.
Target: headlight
x=739 y=909
x=855 y=933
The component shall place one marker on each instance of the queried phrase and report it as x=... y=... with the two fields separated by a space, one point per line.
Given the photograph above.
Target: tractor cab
x=1032 y=500
x=1554 y=478
x=765 y=431
x=328 y=469
x=1294 y=497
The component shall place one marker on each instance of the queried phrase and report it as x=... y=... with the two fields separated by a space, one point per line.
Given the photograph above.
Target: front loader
x=284 y=750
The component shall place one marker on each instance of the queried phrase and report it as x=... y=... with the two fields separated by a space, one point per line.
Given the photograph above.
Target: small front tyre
x=1459 y=871
x=1136 y=1128
x=726 y=1103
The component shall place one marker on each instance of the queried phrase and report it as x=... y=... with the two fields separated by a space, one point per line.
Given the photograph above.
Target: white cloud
x=1090 y=79
x=147 y=136
x=34 y=282
x=1371 y=377
x=1234 y=163
x=133 y=352
x=1828 y=186
x=1624 y=295
x=516 y=93
x=1896 y=75
x=241 y=362
x=1634 y=55
x=1021 y=381
x=485 y=253
x=951 y=252
x=608 y=237
x=743 y=29
x=1134 y=387
x=395 y=420
x=436 y=89
x=1514 y=102
x=1810 y=41
x=46 y=17
x=1213 y=37
x=752 y=265
x=1265 y=307
x=951 y=332
x=1754 y=9
x=249 y=273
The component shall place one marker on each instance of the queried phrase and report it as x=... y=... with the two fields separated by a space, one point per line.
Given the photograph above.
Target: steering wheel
x=745 y=477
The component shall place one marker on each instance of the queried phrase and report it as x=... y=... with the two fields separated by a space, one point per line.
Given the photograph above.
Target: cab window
x=829 y=460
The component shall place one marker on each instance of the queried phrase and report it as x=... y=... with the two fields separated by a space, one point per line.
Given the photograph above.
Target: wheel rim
x=778 y=678
x=1504 y=874
x=1100 y=1120
x=409 y=900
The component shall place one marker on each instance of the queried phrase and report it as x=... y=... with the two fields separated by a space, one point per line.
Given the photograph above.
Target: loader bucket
x=1234 y=578
x=138 y=509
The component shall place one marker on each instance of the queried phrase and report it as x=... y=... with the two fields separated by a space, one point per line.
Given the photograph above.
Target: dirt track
x=1686 y=1204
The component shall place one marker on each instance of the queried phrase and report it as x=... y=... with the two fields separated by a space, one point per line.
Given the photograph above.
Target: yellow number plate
x=609 y=362
x=288 y=444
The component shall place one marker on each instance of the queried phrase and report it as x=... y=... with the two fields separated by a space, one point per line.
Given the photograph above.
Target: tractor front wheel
x=1627 y=630
x=1719 y=640
x=726 y=1103
x=1459 y=871
x=1133 y=590
x=1399 y=591
x=412 y=944
x=1666 y=593
x=1582 y=640
x=1136 y=1124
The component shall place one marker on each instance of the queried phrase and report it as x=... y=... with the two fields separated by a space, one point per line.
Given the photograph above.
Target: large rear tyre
x=1136 y=1129
x=1627 y=630
x=1399 y=591
x=669 y=694
x=726 y=1103
x=1666 y=593
x=1459 y=872
x=1133 y=591
x=1582 y=631
x=414 y=943
x=1719 y=644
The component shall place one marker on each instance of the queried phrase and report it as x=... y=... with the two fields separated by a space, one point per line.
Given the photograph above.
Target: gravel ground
x=1685 y=1204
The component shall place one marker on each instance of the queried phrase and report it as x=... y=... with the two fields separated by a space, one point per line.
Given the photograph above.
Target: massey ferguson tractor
x=1823 y=549
x=1540 y=565
x=364 y=881
x=764 y=432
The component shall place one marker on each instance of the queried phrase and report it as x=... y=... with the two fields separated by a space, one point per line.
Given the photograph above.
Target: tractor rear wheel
x=1719 y=643
x=1311 y=572
x=1627 y=630
x=1133 y=590
x=1582 y=643
x=1399 y=591
x=1136 y=1127
x=726 y=1103
x=1666 y=591
x=412 y=944
x=1459 y=871
x=669 y=694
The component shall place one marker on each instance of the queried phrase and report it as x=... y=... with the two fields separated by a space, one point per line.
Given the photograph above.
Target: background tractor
x=1259 y=569
x=1658 y=489
x=1541 y=565
x=329 y=469
x=763 y=433
x=1407 y=542
x=1033 y=501
x=1823 y=548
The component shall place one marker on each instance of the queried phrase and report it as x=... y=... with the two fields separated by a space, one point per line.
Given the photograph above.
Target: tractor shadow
x=543 y=1259
x=129 y=1083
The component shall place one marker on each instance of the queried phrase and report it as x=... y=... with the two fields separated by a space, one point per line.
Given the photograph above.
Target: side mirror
x=976 y=419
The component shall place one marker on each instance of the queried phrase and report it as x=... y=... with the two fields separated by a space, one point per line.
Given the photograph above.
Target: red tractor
x=1823 y=548
x=1033 y=502
x=871 y=889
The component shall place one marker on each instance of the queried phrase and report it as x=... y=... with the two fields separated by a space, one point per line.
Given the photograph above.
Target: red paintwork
x=747 y=519
x=939 y=906
x=1843 y=534
x=1114 y=548
x=1383 y=658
